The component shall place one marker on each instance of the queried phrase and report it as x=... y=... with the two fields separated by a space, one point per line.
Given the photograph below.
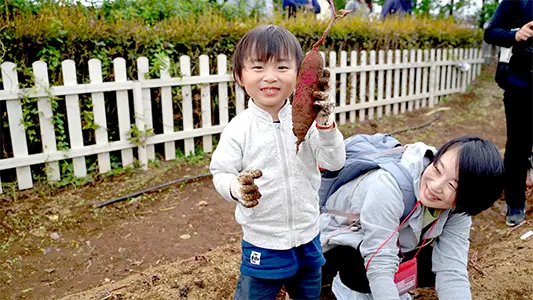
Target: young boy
x=256 y=166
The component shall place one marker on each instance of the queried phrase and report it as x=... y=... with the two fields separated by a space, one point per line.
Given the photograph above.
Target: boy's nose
x=270 y=77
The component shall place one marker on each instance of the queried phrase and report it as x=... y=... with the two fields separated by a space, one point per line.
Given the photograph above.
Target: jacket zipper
x=287 y=185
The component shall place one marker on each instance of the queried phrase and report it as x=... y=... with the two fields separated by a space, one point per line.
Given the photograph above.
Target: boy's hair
x=264 y=43
x=480 y=181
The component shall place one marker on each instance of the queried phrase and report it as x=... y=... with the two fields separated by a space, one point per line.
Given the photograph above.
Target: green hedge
x=53 y=36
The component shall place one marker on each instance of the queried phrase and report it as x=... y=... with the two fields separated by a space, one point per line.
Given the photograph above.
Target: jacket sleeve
x=499 y=31
x=450 y=259
x=226 y=161
x=380 y=216
x=387 y=6
x=328 y=146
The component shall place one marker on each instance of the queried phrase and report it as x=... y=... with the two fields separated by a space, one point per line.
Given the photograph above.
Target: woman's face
x=438 y=184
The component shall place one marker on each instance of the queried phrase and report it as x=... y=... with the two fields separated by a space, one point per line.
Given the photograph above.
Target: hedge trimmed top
x=53 y=36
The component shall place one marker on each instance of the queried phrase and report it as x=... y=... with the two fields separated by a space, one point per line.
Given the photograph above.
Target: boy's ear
x=237 y=79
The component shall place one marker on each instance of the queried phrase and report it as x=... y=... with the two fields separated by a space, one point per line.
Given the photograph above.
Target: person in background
x=263 y=7
x=358 y=8
x=512 y=26
x=396 y=7
x=293 y=6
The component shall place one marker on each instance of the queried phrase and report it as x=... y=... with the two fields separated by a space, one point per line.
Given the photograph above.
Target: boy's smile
x=269 y=83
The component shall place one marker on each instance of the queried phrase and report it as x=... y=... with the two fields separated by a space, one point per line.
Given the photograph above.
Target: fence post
x=16 y=127
x=222 y=69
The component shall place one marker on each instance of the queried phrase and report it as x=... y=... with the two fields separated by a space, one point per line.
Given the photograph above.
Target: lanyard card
x=406 y=278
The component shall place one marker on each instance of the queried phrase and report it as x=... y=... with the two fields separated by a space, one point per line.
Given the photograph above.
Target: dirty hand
x=525 y=32
x=324 y=103
x=244 y=190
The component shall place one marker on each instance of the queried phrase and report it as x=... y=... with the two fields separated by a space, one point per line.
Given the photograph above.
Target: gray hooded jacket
x=377 y=198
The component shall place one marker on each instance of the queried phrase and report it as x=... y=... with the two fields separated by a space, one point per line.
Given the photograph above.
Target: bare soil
x=182 y=241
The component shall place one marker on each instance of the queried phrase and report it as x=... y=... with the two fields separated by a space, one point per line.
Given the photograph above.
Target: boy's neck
x=272 y=110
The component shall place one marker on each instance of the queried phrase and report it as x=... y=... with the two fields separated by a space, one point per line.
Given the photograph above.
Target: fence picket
x=167 y=110
x=371 y=84
x=123 y=110
x=362 y=87
x=139 y=122
x=16 y=127
x=388 y=87
x=73 y=115
x=48 y=137
x=333 y=76
x=95 y=75
x=353 y=85
x=418 y=82
x=412 y=60
x=438 y=59
x=463 y=55
x=432 y=78
x=186 y=94
x=425 y=78
x=455 y=71
x=205 y=91
x=143 y=69
x=240 y=98
x=342 y=96
x=443 y=75
x=471 y=72
x=381 y=61
x=222 y=69
x=397 y=75
x=449 y=69
x=405 y=75
x=479 y=55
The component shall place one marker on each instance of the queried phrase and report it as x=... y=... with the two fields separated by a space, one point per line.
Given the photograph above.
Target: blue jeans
x=305 y=284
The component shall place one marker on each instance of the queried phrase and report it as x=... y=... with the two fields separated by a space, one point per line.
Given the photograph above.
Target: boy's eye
x=283 y=67
x=257 y=67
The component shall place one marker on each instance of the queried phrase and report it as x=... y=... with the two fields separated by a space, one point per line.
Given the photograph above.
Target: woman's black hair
x=480 y=181
x=266 y=42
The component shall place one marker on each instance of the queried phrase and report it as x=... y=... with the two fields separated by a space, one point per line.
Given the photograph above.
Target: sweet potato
x=311 y=69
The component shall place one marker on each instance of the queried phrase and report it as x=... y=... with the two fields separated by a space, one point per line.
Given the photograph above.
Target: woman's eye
x=436 y=169
x=453 y=187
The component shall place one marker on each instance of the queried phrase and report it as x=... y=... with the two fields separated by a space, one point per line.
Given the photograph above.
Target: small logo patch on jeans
x=255 y=258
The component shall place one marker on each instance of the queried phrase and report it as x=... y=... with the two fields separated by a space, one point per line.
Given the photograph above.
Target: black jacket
x=511 y=14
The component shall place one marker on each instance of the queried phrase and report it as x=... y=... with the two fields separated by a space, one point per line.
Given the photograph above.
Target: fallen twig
x=196 y=258
x=110 y=292
x=517 y=226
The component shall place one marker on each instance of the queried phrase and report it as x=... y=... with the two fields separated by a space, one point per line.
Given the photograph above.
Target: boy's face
x=269 y=83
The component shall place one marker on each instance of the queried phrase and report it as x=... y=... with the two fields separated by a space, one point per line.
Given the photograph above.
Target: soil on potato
x=182 y=241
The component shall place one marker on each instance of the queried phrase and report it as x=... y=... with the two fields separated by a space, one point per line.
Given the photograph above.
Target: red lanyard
x=396 y=230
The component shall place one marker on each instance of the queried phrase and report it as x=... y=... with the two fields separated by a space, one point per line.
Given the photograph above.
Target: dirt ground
x=182 y=241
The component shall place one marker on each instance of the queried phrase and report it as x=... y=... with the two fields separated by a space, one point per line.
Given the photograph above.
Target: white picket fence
x=371 y=84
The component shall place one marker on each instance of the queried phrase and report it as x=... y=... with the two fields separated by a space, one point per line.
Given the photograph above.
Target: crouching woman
x=376 y=247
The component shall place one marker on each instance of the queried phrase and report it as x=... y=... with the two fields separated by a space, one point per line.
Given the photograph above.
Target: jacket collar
x=283 y=113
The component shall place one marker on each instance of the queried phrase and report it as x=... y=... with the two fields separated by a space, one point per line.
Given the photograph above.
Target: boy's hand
x=324 y=103
x=244 y=190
